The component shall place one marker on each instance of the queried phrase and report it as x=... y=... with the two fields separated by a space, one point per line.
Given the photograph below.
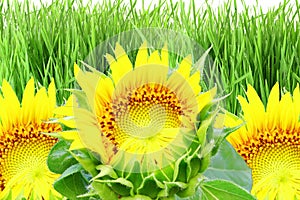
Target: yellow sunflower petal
x=86 y=80
x=256 y=104
x=74 y=136
x=287 y=121
x=12 y=101
x=104 y=89
x=296 y=102
x=76 y=70
x=88 y=126
x=52 y=95
x=248 y=116
x=206 y=98
x=121 y=66
x=27 y=101
x=185 y=66
x=91 y=82
x=273 y=106
x=122 y=59
x=116 y=73
x=155 y=58
x=142 y=55
x=67 y=109
x=41 y=97
x=194 y=81
x=165 y=55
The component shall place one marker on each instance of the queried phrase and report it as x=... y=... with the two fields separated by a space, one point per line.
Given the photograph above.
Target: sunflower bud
x=143 y=123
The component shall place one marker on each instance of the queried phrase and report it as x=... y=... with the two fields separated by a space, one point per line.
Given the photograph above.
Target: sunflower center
x=24 y=151
x=274 y=158
x=280 y=161
x=141 y=113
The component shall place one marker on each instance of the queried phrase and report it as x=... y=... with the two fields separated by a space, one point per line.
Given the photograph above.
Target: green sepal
x=136 y=197
x=204 y=128
x=205 y=112
x=121 y=189
x=104 y=191
x=195 y=165
x=121 y=186
x=192 y=186
x=92 y=69
x=166 y=173
x=81 y=98
x=60 y=158
x=150 y=186
x=205 y=161
x=171 y=188
x=72 y=182
x=87 y=159
x=200 y=63
x=188 y=166
x=221 y=134
x=105 y=170
x=135 y=176
x=182 y=176
x=191 y=171
x=180 y=168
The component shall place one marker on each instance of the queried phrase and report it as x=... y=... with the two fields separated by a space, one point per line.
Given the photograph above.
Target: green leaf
x=221 y=189
x=206 y=119
x=192 y=186
x=229 y=165
x=73 y=182
x=60 y=158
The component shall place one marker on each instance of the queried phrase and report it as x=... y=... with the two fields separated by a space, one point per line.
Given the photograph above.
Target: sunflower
x=23 y=147
x=269 y=142
x=141 y=119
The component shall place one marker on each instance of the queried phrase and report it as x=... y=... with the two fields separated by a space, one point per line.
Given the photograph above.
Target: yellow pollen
x=25 y=149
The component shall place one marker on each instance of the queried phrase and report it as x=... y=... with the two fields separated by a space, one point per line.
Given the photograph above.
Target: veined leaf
x=60 y=158
x=229 y=165
x=221 y=190
x=72 y=183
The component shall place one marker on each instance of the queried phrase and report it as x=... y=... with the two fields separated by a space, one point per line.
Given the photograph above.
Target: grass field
x=256 y=48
